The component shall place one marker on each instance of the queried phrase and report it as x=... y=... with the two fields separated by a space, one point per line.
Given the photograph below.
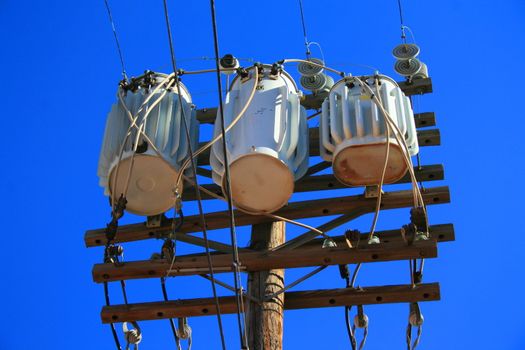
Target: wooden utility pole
x=265 y=320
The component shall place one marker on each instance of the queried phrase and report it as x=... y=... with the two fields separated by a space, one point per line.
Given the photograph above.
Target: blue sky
x=60 y=73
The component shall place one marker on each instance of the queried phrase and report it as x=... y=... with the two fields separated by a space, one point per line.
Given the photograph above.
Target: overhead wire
x=233 y=236
x=194 y=171
x=172 y=323
x=121 y=56
x=400 y=8
x=111 y=325
x=303 y=22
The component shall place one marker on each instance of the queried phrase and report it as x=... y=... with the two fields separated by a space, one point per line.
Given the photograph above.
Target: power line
x=111 y=325
x=124 y=75
x=235 y=252
x=400 y=7
x=194 y=172
x=306 y=42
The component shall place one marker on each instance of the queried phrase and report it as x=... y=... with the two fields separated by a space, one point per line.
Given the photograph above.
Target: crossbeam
x=433 y=172
x=196 y=264
x=292 y=301
x=439 y=233
x=350 y=205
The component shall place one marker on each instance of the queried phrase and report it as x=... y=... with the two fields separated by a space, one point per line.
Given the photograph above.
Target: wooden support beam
x=207 y=115
x=195 y=264
x=293 y=301
x=219 y=246
x=433 y=172
x=424 y=120
x=438 y=233
x=430 y=137
x=426 y=137
x=416 y=87
x=317 y=168
x=352 y=205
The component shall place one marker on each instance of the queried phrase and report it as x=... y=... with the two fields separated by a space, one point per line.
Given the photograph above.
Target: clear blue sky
x=60 y=73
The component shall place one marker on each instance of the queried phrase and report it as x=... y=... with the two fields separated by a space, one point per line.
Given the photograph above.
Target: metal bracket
x=155 y=220
x=372 y=191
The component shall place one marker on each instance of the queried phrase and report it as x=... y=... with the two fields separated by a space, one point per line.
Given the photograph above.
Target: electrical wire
x=172 y=323
x=235 y=253
x=306 y=43
x=124 y=75
x=111 y=325
x=400 y=8
x=194 y=171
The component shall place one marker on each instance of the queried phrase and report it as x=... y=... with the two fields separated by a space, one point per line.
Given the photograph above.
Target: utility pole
x=265 y=320
x=269 y=254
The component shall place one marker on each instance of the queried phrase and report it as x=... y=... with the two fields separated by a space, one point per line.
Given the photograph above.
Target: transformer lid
x=362 y=164
x=260 y=183
x=151 y=184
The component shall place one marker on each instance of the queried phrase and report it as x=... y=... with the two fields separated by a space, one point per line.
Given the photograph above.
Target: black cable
x=172 y=324
x=235 y=252
x=116 y=40
x=306 y=43
x=354 y=275
x=111 y=325
x=124 y=294
x=403 y=36
x=351 y=335
x=197 y=191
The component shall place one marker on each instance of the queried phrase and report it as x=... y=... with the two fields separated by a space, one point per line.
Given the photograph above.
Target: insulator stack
x=312 y=76
x=407 y=64
x=129 y=161
x=268 y=147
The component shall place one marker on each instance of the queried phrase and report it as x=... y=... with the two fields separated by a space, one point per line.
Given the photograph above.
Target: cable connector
x=415 y=317
x=374 y=240
x=229 y=61
x=259 y=67
x=353 y=238
x=276 y=69
x=133 y=336
x=418 y=218
x=329 y=243
x=243 y=73
x=344 y=272
x=168 y=250
x=361 y=319
x=120 y=206
x=418 y=277
x=408 y=232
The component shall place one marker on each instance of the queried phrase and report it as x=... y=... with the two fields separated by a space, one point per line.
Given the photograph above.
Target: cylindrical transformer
x=268 y=147
x=353 y=131
x=128 y=163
